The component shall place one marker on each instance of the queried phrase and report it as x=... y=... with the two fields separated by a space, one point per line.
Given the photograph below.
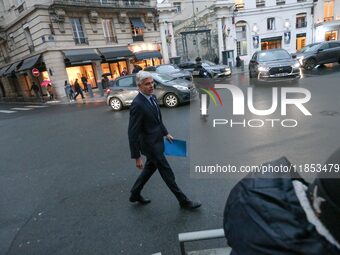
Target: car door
x=324 y=54
x=126 y=88
x=335 y=49
x=253 y=64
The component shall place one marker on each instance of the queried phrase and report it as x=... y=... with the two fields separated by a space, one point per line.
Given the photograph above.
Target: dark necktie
x=154 y=105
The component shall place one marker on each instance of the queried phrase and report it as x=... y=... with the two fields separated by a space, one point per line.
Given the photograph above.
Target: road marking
x=21 y=109
x=37 y=106
x=6 y=111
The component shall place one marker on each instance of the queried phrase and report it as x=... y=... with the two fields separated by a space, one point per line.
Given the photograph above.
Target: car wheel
x=310 y=64
x=170 y=100
x=116 y=104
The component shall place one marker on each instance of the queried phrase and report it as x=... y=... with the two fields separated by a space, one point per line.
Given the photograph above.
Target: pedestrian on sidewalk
x=124 y=72
x=69 y=91
x=36 y=90
x=84 y=81
x=50 y=91
x=78 y=90
x=146 y=132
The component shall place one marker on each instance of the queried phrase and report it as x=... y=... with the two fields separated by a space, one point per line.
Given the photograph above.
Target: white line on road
x=21 y=109
x=6 y=111
x=37 y=106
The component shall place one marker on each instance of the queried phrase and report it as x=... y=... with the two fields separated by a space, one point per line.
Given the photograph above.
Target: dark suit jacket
x=146 y=129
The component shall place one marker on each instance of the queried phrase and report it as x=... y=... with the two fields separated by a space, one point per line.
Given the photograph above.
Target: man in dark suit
x=146 y=133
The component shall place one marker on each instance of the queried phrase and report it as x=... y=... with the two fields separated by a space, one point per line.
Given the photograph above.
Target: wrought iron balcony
x=105 y=3
x=138 y=38
x=328 y=19
x=301 y=24
x=280 y=2
x=81 y=40
x=260 y=3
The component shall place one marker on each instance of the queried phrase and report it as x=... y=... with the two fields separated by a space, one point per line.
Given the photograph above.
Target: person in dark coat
x=84 y=81
x=78 y=90
x=136 y=69
x=146 y=133
x=284 y=215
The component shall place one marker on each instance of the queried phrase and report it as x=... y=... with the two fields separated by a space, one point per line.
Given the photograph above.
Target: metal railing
x=138 y=38
x=104 y=3
x=81 y=40
x=239 y=6
x=280 y=2
x=301 y=24
x=260 y=3
x=328 y=19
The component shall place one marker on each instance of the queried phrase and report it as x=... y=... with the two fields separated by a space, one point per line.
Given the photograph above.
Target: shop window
x=272 y=44
x=115 y=69
x=109 y=33
x=78 y=32
x=328 y=10
x=331 y=35
x=300 y=41
x=270 y=23
x=76 y=72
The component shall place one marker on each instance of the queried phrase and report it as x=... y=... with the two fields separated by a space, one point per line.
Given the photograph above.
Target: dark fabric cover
x=29 y=63
x=263 y=216
x=3 y=70
x=137 y=22
x=147 y=55
x=12 y=68
x=81 y=55
x=115 y=52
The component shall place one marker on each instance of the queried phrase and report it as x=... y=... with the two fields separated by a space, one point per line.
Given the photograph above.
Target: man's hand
x=139 y=163
x=169 y=138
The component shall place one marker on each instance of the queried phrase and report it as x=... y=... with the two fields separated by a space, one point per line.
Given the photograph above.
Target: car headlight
x=296 y=65
x=263 y=68
x=181 y=88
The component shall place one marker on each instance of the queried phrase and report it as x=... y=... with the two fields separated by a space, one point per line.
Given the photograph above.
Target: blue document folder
x=177 y=148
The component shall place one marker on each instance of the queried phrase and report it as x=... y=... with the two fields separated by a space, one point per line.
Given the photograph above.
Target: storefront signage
x=35 y=72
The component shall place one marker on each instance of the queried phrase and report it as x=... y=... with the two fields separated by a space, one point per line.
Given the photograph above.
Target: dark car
x=169 y=91
x=319 y=53
x=273 y=65
x=171 y=70
x=212 y=69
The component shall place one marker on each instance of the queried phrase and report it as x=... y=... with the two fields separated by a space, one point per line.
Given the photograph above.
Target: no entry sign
x=35 y=72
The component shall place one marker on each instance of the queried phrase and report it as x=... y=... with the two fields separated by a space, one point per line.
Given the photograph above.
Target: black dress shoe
x=139 y=199
x=190 y=205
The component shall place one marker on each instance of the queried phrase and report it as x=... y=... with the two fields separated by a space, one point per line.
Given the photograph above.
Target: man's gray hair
x=141 y=76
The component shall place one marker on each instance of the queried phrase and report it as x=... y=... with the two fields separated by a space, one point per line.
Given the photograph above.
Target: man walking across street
x=146 y=132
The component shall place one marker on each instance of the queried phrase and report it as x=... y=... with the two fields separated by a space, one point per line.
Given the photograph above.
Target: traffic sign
x=35 y=72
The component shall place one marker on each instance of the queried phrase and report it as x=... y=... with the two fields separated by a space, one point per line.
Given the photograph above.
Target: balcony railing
x=112 y=39
x=328 y=19
x=301 y=24
x=280 y=2
x=138 y=38
x=260 y=3
x=301 y=1
x=81 y=40
x=104 y=3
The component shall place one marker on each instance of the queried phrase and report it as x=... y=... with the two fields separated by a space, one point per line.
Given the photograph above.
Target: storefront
x=300 y=41
x=115 y=61
x=79 y=63
x=271 y=43
x=146 y=54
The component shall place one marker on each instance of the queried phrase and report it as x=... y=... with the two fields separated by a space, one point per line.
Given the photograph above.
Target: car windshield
x=273 y=55
x=167 y=69
x=162 y=78
x=310 y=47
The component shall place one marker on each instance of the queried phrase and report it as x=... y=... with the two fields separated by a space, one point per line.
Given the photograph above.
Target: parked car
x=172 y=70
x=212 y=69
x=319 y=53
x=169 y=91
x=273 y=65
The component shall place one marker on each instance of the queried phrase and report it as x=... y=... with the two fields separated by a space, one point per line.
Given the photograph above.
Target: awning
x=113 y=53
x=81 y=56
x=147 y=55
x=271 y=39
x=3 y=70
x=137 y=22
x=12 y=68
x=29 y=63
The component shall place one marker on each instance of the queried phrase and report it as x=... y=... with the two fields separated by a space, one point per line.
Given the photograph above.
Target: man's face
x=147 y=86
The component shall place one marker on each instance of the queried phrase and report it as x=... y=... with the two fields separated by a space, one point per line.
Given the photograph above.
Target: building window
x=331 y=35
x=280 y=2
x=241 y=37
x=78 y=32
x=108 y=29
x=137 y=28
x=300 y=41
x=328 y=10
x=301 y=20
x=239 y=4
x=271 y=43
x=260 y=3
x=271 y=24
x=178 y=7
x=29 y=40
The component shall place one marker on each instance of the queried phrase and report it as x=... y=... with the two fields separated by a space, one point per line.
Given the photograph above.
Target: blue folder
x=177 y=148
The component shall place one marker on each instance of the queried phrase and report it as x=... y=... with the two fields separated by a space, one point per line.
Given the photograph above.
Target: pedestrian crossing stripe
x=36 y=106
x=21 y=109
x=6 y=111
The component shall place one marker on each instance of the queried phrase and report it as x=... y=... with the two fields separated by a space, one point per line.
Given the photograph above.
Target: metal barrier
x=199 y=236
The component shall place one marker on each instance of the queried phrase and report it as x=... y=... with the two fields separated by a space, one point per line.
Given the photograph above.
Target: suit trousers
x=151 y=165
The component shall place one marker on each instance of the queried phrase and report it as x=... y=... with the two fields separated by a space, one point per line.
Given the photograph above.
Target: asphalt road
x=65 y=174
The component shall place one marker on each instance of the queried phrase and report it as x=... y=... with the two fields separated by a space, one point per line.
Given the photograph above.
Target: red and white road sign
x=35 y=72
